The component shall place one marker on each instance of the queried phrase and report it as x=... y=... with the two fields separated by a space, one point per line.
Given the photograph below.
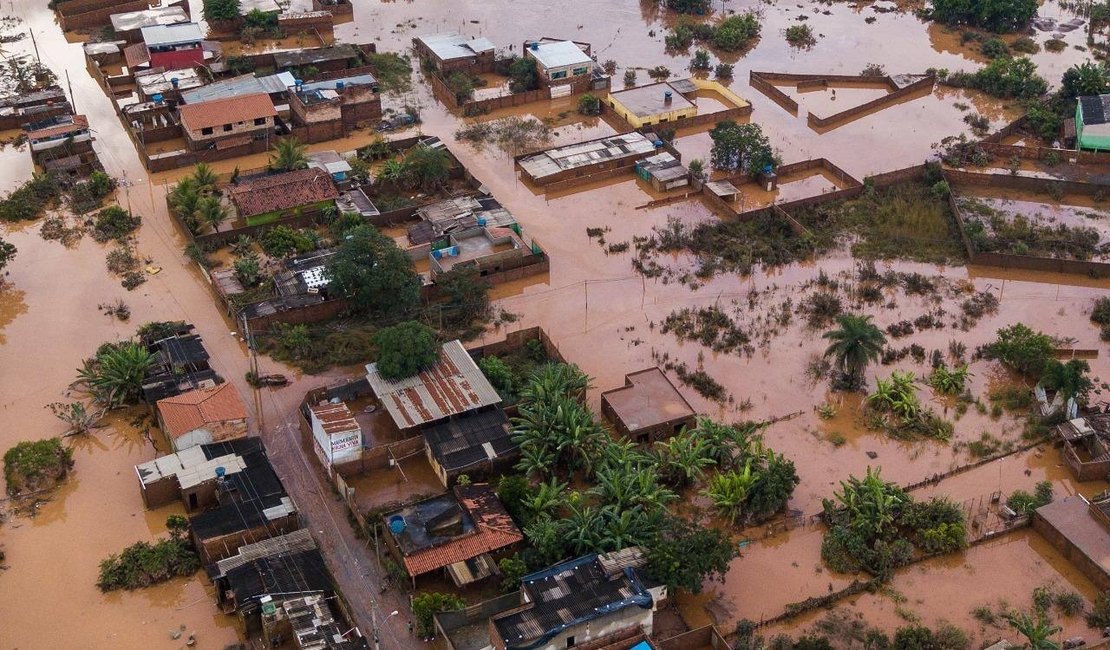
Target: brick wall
x=920 y=86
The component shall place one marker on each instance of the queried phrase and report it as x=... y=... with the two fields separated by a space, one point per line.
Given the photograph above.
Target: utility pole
x=72 y=99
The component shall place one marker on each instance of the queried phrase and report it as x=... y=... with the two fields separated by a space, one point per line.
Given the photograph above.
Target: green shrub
x=405 y=349
x=33 y=465
x=114 y=223
x=426 y=605
x=736 y=32
x=144 y=564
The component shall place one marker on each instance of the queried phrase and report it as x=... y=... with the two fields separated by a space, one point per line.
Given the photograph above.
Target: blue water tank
x=535 y=46
x=658 y=144
x=481 y=221
x=174 y=82
x=157 y=98
x=667 y=95
x=299 y=82
x=221 y=471
x=396 y=524
x=339 y=85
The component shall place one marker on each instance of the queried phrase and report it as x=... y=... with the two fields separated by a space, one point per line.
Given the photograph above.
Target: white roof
x=559 y=54
x=454 y=385
x=161 y=35
x=129 y=20
x=455 y=46
x=189 y=466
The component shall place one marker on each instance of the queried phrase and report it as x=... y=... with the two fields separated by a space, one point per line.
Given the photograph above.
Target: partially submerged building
x=648 y=407
x=192 y=475
x=560 y=62
x=335 y=432
x=663 y=171
x=228 y=123
x=173 y=46
x=276 y=86
x=181 y=364
x=1085 y=446
x=578 y=601
x=585 y=158
x=453 y=52
x=251 y=505
x=264 y=199
x=657 y=103
x=459 y=532
x=202 y=416
x=312 y=624
x=129 y=24
x=1092 y=122
x=330 y=109
x=475 y=443
x=62 y=143
x=452 y=386
x=1081 y=531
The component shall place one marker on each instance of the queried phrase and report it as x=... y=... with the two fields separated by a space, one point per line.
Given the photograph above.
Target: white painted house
x=336 y=434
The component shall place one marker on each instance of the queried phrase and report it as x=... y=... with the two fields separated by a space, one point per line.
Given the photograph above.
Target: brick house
x=227 y=123
x=268 y=198
x=203 y=416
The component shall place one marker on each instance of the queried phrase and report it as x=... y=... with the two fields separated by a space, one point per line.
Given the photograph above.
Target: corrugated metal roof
x=238 y=86
x=129 y=20
x=1095 y=109
x=334 y=418
x=330 y=84
x=190 y=466
x=452 y=386
x=581 y=154
x=455 y=46
x=559 y=54
x=162 y=35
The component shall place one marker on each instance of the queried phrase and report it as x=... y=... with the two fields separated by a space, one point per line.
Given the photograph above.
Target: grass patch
x=36 y=465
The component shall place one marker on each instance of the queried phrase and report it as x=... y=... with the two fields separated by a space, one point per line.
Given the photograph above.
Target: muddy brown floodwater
x=599 y=313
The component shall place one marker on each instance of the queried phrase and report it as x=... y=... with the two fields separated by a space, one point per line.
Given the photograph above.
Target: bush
x=997 y=16
x=700 y=61
x=736 y=32
x=28 y=200
x=406 y=349
x=1006 y=78
x=522 y=75
x=35 y=465
x=630 y=77
x=994 y=48
x=723 y=71
x=221 y=9
x=1023 y=349
x=696 y=7
x=143 y=564
x=800 y=36
x=280 y=241
x=247 y=270
x=1099 y=616
x=1024 y=503
x=114 y=223
x=589 y=104
x=425 y=606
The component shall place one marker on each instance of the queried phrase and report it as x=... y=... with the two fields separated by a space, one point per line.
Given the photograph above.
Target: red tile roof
x=282 y=191
x=136 y=55
x=493 y=529
x=80 y=123
x=192 y=410
x=334 y=418
x=230 y=110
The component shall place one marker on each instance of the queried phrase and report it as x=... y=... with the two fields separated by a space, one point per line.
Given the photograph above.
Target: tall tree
x=7 y=253
x=405 y=349
x=741 y=147
x=375 y=275
x=211 y=211
x=1087 y=78
x=854 y=344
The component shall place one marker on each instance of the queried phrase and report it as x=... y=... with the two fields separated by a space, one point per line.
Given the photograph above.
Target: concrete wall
x=197 y=139
x=1093 y=571
x=921 y=86
x=1091 y=471
x=89 y=14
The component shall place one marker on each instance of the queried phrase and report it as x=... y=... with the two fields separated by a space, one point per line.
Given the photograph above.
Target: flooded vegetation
x=784 y=460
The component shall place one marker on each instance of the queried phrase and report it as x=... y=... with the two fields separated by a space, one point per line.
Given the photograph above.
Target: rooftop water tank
x=535 y=46
x=339 y=85
x=221 y=471
x=157 y=98
x=396 y=524
x=174 y=82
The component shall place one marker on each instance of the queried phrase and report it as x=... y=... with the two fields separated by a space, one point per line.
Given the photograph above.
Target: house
x=251 y=505
x=663 y=171
x=478 y=442
x=59 y=137
x=331 y=163
x=1085 y=446
x=192 y=475
x=651 y=104
x=264 y=199
x=180 y=365
x=325 y=59
x=248 y=588
x=228 y=123
x=202 y=416
x=311 y=623
x=356 y=201
x=172 y=47
x=560 y=62
x=129 y=24
x=330 y=109
x=488 y=249
x=275 y=85
x=18 y=110
x=1092 y=122
x=439 y=220
x=452 y=386
x=456 y=532
x=648 y=407
x=1081 y=531
x=166 y=83
x=453 y=52
x=337 y=435
x=578 y=601
x=585 y=158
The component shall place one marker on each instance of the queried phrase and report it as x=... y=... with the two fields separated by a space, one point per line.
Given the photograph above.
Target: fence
x=899 y=95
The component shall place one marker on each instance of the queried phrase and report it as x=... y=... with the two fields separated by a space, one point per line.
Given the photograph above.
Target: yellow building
x=653 y=104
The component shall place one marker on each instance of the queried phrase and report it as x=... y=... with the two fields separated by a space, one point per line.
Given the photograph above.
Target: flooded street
x=600 y=314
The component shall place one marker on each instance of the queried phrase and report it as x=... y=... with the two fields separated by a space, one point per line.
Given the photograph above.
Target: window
x=227 y=127
x=206 y=131
x=578 y=71
x=562 y=74
x=570 y=641
x=259 y=121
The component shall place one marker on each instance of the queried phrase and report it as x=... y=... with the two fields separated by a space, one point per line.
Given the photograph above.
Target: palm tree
x=854 y=344
x=726 y=444
x=556 y=380
x=1036 y=630
x=204 y=176
x=211 y=211
x=184 y=199
x=392 y=171
x=115 y=377
x=536 y=459
x=288 y=155
x=871 y=504
x=623 y=527
x=582 y=529
x=549 y=497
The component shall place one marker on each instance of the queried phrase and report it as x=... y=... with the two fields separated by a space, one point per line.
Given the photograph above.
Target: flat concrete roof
x=646 y=101
x=127 y=21
x=650 y=400
x=1072 y=518
x=455 y=46
x=559 y=54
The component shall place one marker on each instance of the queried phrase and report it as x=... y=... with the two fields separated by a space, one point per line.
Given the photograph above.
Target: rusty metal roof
x=454 y=385
x=334 y=418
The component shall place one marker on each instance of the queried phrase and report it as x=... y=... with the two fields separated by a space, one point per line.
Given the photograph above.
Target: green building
x=1092 y=123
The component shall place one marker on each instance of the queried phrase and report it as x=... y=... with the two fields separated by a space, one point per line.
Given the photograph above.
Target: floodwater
x=599 y=313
